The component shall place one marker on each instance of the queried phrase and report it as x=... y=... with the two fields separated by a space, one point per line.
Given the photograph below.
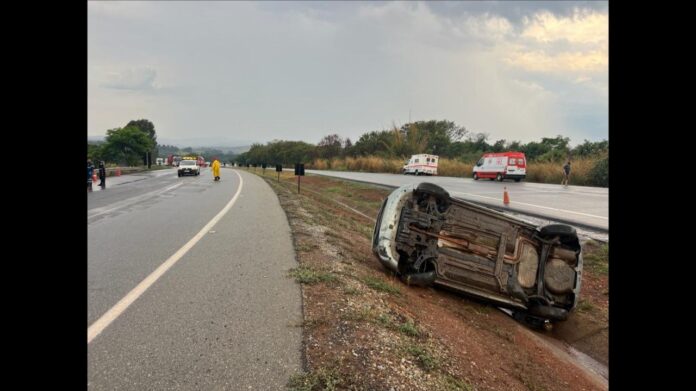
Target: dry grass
x=541 y=172
x=550 y=172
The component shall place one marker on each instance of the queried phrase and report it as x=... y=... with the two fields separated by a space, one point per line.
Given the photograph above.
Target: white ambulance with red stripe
x=422 y=164
x=500 y=166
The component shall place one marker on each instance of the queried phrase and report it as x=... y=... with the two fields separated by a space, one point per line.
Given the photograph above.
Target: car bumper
x=383 y=243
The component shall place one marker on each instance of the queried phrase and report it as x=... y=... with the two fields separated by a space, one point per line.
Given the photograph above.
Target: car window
x=480 y=162
x=188 y=163
x=512 y=161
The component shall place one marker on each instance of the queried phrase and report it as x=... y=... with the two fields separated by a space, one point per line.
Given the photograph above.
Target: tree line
x=130 y=145
x=136 y=144
x=438 y=137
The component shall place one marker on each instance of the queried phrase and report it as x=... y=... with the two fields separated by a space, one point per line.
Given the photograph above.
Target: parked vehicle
x=173 y=160
x=427 y=237
x=500 y=166
x=421 y=164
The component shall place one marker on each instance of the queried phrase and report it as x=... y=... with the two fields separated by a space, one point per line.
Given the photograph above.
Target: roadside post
x=263 y=166
x=279 y=168
x=299 y=172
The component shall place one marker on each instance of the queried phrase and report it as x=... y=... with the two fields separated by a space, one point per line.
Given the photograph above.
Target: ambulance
x=500 y=166
x=421 y=164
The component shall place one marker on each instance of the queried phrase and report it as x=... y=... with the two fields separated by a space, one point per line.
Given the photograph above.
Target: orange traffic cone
x=118 y=171
x=94 y=177
x=506 y=198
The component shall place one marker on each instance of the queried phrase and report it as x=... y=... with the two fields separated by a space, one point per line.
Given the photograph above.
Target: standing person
x=102 y=175
x=566 y=174
x=216 y=169
x=90 y=172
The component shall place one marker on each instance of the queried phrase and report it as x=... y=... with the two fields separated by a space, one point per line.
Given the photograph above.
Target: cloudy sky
x=231 y=73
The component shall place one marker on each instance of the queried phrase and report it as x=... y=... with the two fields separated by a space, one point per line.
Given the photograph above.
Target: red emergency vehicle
x=500 y=166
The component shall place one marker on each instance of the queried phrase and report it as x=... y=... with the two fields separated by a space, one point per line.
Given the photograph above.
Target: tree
x=499 y=146
x=148 y=128
x=127 y=145
x=589 y=148
x=330 y=146
x=95 y=152
x=439 y=134
x=372 y=143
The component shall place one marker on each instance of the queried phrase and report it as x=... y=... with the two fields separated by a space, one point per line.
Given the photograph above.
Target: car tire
x=549 y=312
x=565 y=233
x=552 y=230
x=431 y=188
x=476 y=177
x=419 y=279
x=499 y=177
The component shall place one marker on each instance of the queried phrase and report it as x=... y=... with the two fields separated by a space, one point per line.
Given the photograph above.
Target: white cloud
x=583 y=27
x=561 y=63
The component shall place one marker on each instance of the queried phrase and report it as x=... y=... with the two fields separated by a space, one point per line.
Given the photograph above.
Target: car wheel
x=549 y=312
x=475 y=176
x=419 y=279
x=179 y=175
x=567 y=234
x=442 y=197
x=551 y=230
x=431 y=188
x=499 y=177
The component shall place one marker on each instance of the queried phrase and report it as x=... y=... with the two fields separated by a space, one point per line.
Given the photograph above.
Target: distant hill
x=235 y=150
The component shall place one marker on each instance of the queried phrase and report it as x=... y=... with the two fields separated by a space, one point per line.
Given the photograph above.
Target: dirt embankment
x=365 y=330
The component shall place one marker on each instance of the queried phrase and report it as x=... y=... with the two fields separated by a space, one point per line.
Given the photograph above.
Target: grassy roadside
x=540 y=172
x=365 y=330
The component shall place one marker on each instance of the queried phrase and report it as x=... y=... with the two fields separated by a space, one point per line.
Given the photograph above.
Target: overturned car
x=428 y=237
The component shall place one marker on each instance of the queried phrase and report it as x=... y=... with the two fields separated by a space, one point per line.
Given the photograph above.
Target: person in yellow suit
x=216 y=169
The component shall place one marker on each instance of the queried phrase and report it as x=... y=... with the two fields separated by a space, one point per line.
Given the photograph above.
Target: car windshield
x=188 y=163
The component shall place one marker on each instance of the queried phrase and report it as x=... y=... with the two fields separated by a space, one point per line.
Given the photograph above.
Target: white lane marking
x=532 y=192
x=537 y=206
x=131 y=201
x=105 y=320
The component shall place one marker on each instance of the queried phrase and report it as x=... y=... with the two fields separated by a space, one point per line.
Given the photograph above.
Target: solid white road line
x=105 y=320
x=536 y=206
